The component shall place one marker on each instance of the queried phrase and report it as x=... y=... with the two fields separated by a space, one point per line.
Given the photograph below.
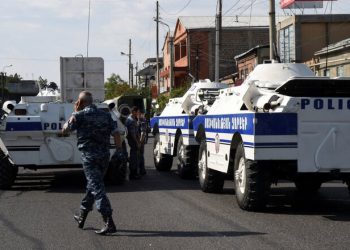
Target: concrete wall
x=311 y=32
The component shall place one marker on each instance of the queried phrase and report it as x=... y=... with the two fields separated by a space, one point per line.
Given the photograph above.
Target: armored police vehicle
x=283 y=122
x=173 y=131
x=30 y=130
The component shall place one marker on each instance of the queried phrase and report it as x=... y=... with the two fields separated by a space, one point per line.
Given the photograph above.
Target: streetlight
x=171 y=46
x=131 y=82
x=3 y=74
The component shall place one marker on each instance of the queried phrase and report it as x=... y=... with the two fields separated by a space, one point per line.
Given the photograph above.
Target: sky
x=36 y=33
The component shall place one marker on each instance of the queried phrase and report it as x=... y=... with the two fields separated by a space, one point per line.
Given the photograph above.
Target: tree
x=42 y=83
x=116 y=86
x=13 y=78
x=116 y=79
x=52 y=85
x=163 y=99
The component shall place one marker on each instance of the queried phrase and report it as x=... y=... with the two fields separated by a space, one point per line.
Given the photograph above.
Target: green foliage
x=115 y=79
x=42 y=82
x=13 y=78
x=163 y=99
x=115 y=86
x=178 y=92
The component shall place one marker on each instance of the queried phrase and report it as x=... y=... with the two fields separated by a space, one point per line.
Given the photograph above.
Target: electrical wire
x=179 y=11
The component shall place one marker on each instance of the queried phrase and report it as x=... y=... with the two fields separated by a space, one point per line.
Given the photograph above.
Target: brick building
x=194 y=45
x=247 y=61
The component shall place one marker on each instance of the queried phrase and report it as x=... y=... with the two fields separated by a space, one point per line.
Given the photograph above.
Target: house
x=333 y=60
x=247 y=61
x=300 y=36
x=147 y=75
x=165 y=72
x=194 y=45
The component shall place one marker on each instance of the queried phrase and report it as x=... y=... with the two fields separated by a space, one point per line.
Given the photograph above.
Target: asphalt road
x=162 y=211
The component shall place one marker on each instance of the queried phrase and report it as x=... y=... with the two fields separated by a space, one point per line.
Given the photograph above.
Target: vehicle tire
x=8 y=172
x=252 y=182
x=116 y=173
x=307 y=185
x=186 y=160
x=162 y=162
x=211 y=181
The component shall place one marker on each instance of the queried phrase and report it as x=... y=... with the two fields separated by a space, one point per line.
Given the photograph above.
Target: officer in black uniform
x=94 y=128
x=134 y=143
x=142 y=125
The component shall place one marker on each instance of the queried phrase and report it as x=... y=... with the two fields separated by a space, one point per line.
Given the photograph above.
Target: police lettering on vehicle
x=172 y=122
x=53 y=126
x=329 y=104
x=227 y=123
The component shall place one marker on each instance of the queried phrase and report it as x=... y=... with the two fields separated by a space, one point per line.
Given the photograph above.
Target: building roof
x=334 y=47
x=152 y=60
x=150 y=70
x=251 y=50
x=208 y=22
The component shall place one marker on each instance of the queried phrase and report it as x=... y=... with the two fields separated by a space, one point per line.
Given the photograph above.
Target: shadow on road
x=331 y=202
x=73 y=181
x=180 y=234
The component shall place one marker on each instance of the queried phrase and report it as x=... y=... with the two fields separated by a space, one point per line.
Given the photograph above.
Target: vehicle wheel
x=252 y=182
x=8 y=172
x=211 y=181
x=162 y=162
x=116 y=173
x=186 y=160
x=307 y=185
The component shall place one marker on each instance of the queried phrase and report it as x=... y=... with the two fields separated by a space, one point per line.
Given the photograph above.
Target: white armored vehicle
x=30 y=130
x=283 y=122
x=173 y=130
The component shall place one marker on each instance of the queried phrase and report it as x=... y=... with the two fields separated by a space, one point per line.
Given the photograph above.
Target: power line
x=231 y=7
x=178 y=12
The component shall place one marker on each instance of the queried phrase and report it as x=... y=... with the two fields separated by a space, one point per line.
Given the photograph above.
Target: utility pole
x=272 y=30
x=218 y=24
x=171 y=70
x=136 y=77
x=157 y=61
x=197 y=62
x=130 y=67
x=3 y=79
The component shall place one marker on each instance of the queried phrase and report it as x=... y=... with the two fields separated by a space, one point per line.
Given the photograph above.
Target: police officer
x=134 y=143
x=94 y=128
x=142 y=124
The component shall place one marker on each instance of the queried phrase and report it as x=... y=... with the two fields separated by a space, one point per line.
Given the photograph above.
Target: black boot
x=80 y=218
x=109 y=227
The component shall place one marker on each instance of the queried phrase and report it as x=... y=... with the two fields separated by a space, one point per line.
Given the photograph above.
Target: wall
x=234 y=42
x=311 y=32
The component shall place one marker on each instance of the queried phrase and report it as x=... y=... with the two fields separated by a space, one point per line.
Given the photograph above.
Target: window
x=177 y=52
x=287 y=44
x=326 y=72
x=340 y=71
x=183 y=48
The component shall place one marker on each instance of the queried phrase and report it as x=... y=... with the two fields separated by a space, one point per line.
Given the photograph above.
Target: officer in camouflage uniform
x=94 y=128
